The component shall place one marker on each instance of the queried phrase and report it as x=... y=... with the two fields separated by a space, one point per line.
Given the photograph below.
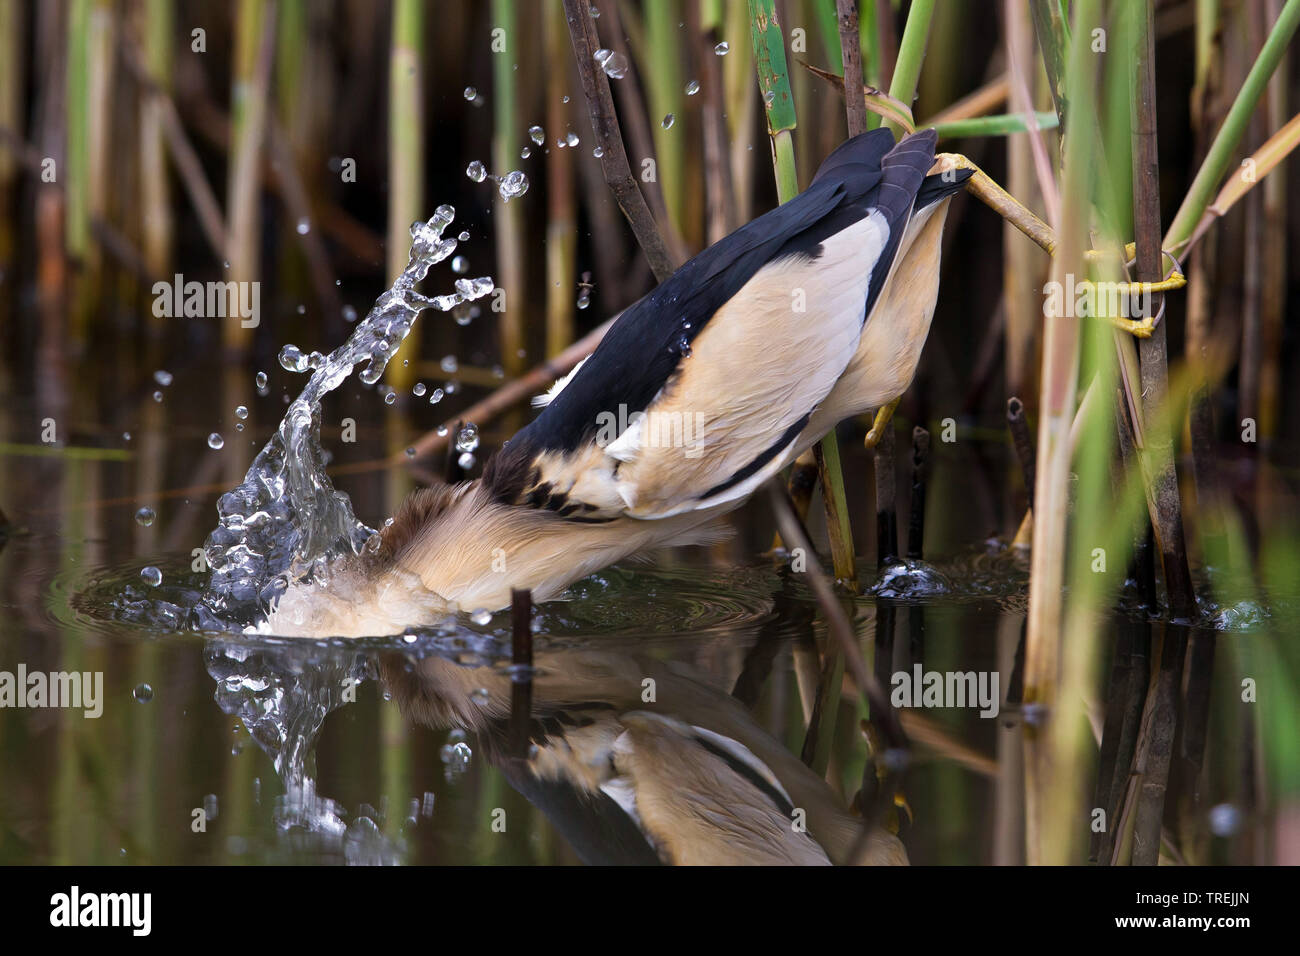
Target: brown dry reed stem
x=561 y=200
x=855 y=106
x=635 y=120
x=920 y=468
x=156 y=222
x=1156 y=744
x=604 y=124
x=521 y=656
x=1022 y=442
x=506 y=397
x=1167 y=516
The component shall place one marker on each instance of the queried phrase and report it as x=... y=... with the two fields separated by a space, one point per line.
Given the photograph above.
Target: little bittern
x=699 y=393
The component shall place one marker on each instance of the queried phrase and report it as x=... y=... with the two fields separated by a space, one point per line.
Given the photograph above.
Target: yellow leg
x=883 y=415
x=1014 y=212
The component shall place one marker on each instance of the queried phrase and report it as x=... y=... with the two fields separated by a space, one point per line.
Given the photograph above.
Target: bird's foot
x=884 y=414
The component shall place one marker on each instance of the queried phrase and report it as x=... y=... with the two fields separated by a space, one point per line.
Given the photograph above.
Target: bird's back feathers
x=864 y=193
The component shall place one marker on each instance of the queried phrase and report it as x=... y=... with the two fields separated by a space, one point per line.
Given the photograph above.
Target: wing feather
x=699 y=392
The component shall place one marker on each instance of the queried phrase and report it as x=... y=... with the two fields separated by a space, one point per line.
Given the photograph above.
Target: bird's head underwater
x=698 y=394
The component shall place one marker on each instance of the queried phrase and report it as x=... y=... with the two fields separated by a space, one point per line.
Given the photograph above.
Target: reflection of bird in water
x=699 y=393
x=686 y=778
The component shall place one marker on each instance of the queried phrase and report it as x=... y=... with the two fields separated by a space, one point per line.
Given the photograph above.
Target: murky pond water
x=225 y=748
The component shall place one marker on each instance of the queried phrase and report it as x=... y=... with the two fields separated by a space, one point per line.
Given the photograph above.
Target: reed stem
x=405 y=160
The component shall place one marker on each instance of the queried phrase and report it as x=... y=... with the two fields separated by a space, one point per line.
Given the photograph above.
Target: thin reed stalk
x=250 y=86
x=911 y=54
x=1186 y=221
x=13 y=63
x=666 y=96
x=157 y=224
x=508 y=217
x=1051 y=490
x=406 y=123
x=561 y=200
x=609 y=138
x=1168 y=517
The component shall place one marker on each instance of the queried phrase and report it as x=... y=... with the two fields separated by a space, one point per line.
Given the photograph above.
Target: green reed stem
x=911 y=54
x=254 y=38
x=405 y=160
x=508 y=216
x=665 y=89
x=1235 y=124
x=995 y=125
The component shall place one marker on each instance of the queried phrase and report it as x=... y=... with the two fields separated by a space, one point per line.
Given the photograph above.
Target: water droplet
x=215 y=441
x=410 y=452
x=241 y=412
x=163 y=378
x=1225 y=819
x=442 y=429
x=142 y=693
x=525 y=153
x=467 y=438
x=304 y=226
x=126 y=436
x=584 y=299
x=480 y=696
x=151 y=576
x=614 y=64
x=419 y=389
x=292 y=359
x=598 y=152
x=260 y=380
x=571 y=138
x=513 y=184
x=470 y=93
x=460 y=265
x=722 y=49
x=390 y=398
x=144 y=517
x=449 y=364
x=436 y=396
x=157 y=396
x=481 y=617
x=476 y=171
x=692 y=87
x=463 y=237
x=769 y=97
x=537 y=135
x=349 y=314
x=465 y=462
x=374 y=543
x=668 y=121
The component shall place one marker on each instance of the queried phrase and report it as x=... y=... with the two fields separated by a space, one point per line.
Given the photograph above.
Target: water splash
x=285 y=522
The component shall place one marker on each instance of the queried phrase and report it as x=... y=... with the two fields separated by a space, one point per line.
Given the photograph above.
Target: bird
x=690 y=778
x=700 y=392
